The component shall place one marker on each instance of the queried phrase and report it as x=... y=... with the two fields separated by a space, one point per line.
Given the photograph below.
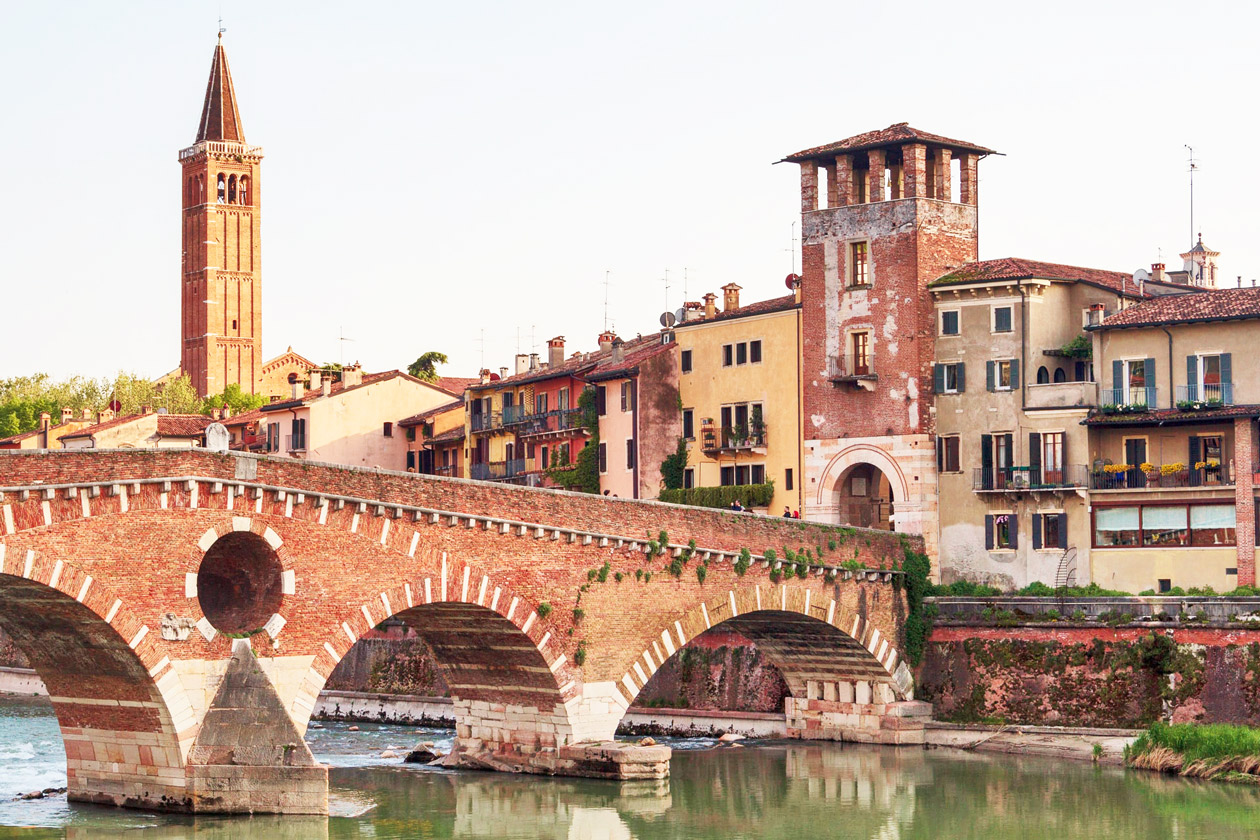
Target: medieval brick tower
x=882 y=215
x=221 y=274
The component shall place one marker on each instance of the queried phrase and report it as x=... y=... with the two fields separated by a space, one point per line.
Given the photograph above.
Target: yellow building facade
x=739 y=385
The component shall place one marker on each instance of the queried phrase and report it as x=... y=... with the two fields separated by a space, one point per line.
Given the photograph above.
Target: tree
x=235 y=399
x=674 y=467
x=424 y=368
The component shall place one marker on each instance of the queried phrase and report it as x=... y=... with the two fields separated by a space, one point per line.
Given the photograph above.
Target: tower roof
x=220 y=118
x=1200 y=248
x=895 y=135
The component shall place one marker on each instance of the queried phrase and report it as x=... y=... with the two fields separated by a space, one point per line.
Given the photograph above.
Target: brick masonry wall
x=1077 y=676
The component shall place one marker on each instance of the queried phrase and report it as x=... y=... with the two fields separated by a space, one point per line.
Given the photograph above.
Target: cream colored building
x=1013 y=381
x=740 y=390
x=140 y=431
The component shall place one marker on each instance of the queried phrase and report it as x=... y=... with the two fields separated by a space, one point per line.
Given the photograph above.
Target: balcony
x=1131 y=400
x=502 y=470
x=855 y=371
x=730 y=439
x=295 y=443
x=485 y=421
x=1168 y=476
x=1063 y=395
x=1208 y=395
x=1027 y=479
x=450 y=471
x=550 y=422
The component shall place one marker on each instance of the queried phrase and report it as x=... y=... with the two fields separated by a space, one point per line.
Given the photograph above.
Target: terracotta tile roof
x=182 y=425
x=633 y=353
x=220 y=118
x=893 y=135
x=456 y=385
x=1015 y=268
x=338 y=387
x=169 y=425
x=1172 y=416
x=26 y=435
x=1208 y=305
x=449 y=436
x=417 y=419
x=761 y=307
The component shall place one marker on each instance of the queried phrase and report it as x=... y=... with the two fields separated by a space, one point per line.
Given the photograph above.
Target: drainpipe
x=1172 y=399
x=1023 y=345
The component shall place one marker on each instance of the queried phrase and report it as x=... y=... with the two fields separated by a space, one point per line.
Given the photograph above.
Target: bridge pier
x=855 y=710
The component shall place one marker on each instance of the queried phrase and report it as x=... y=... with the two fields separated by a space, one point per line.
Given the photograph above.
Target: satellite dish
x=668 y=319
x=1141 y=275
x=681 y=315
x=791 y=280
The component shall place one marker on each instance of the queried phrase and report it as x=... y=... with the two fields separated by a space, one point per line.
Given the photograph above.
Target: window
x=563 y=402
x=1001 y=531
x=949 y=322
x=601 y=400
x=543 y=462
x=728 y=355
x=1208 y=378
x=685 y=361
x=603 y=457
x=1002 y=319
x=297 y=439
x=233 y=323
x=728 y=476
x=1049 y=530
x=1165 y=526
x=948 y=378
x=627 y=397
x=859 y=274
x=757 y=474
x=689 y=478
x=787 y=479
x=273 y=437
x=1133 y=383
x=629 y=453
x=388 y=429
x=741 y=353
x=754 y=351
x=689 y=423
x=540 y=403
x=1043 y=375
x=947 y=454
x=509 y=452
x=1001 y=375
x=1051 y=457
x=860 y=353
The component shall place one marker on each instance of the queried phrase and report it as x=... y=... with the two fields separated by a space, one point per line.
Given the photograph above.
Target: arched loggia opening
x=864 y=498
x=122 y=746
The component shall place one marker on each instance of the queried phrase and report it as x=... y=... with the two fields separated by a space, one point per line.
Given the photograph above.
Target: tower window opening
x=231 y=194
x=243 y=189
x=201 y=189
x=859 y=181
x=222 y=189
x=955 y=182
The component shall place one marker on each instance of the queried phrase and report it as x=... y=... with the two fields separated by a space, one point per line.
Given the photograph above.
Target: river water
x=764 y=791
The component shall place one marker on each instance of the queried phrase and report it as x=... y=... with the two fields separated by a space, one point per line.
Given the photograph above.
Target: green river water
x=766 y=790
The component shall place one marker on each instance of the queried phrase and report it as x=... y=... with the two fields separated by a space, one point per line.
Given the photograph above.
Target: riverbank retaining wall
x=1031 y=671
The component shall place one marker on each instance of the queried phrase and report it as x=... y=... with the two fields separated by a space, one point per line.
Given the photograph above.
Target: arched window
x=243 y=189
x=232 y=190
x=222 y=188
x=201 y=189
x=1060 y=375
x=1043 y=375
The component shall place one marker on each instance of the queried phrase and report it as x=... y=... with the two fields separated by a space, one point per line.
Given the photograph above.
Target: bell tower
x=221 y=271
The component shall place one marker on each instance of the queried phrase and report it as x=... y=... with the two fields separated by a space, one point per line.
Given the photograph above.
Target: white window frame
x=997 y=374
x=940 y=324
x=945 y=368
x=993 y=310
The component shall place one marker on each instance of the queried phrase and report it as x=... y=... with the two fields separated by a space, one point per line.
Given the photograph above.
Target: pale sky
x=439 y=172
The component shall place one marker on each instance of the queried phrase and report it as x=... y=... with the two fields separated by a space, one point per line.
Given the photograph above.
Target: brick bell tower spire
x=221 y=273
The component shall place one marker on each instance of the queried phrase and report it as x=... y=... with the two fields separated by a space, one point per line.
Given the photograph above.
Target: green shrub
x=744 y=561
x=749 y=495
x=602 y=574
x=543 y=610
x=775 y=574
x=701 y=571
x=578 y=615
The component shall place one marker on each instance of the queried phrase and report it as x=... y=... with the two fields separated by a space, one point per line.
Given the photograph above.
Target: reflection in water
x=768 y=790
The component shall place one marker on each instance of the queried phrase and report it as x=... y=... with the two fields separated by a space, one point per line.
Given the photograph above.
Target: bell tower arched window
x=231 y=193
x=243 y=189
x=222 y=188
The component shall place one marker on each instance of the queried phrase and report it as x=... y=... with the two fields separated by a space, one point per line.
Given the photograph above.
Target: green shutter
x=1034 y=458
x=1148 y=367
x=988 y=532
x=988 y=375
x=938 y=379
x=1192 y=377
x=986 y=462
x=1014 y=373
x=962 y=370
x=1036 y=531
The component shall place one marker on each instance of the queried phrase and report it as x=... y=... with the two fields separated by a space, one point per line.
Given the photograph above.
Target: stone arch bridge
x=184 y=609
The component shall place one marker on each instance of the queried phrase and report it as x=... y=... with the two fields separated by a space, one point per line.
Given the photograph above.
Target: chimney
x=86 y=415
x=503 y=373
x=533 y=361
x=484 y=375
x=693 y=310
x=315 y=380
x=105 y=416
x=796 y=287
x=555 y=352
x=326 y=387
x=295 y=386
x=730 y=297
x=214 y=414
x=226 y=412
x=146 y=409
x=606 y=339
x=710 y=305
x=618 y=351
x=1157 y=272
x=522 y=362
x=67 y=414
x=352 y=376
x=45 y=420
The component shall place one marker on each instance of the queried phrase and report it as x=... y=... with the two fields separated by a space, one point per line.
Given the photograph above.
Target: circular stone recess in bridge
x=239 y=583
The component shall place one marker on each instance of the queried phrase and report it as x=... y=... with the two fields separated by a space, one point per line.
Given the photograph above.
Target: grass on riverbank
x=1206 y=751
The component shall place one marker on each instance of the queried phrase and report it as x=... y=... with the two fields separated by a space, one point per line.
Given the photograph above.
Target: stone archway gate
x=549 y=611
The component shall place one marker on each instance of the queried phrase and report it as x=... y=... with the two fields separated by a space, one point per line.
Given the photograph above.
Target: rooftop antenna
x=792 y=248
x=606 y=281
x=1193 y=166
x=341 y=344
x=684 y=285
x=667 y=288
x=222 y=28
x=481 y=341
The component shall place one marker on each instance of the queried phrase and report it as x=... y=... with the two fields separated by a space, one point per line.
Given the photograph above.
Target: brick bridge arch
x=545 y=605
x=125 y=722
